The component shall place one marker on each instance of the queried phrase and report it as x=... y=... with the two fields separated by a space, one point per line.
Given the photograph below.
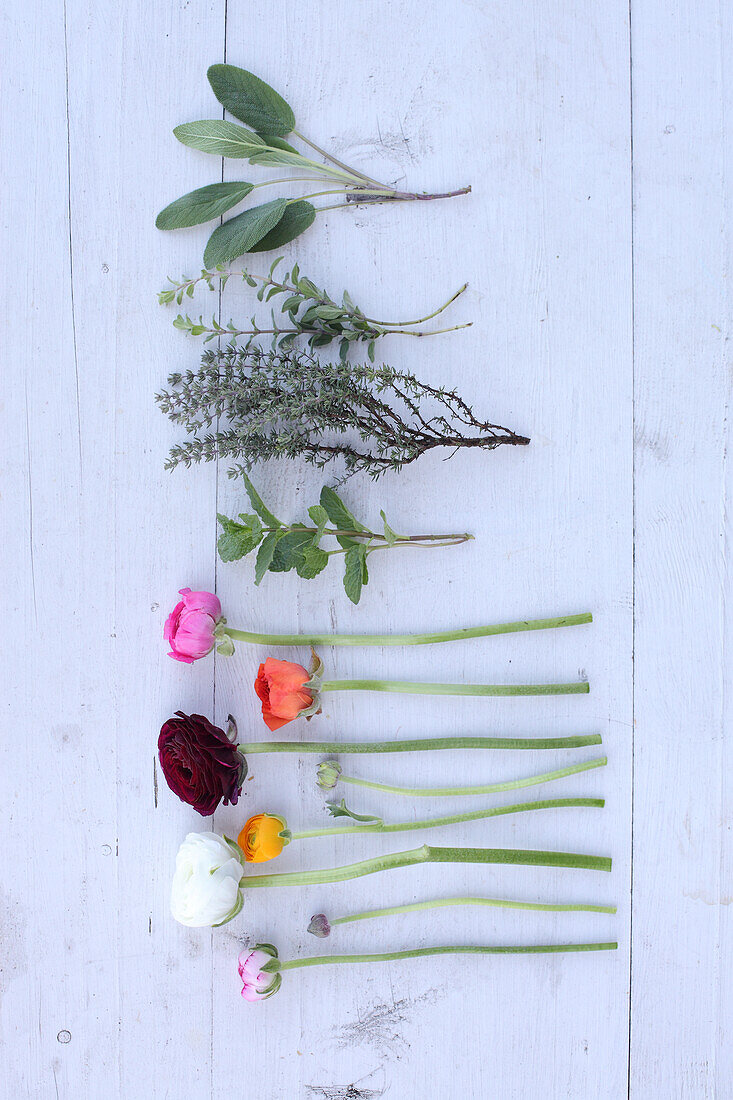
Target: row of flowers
x=205 y=766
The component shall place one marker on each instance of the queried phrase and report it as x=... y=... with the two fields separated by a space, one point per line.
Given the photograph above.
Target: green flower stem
x=421 y=745
x=407 y=639
x=450 y=819
x=426 y=854
x=423 y=952
x=406 y=687
x=494 y=903
x=491 y=788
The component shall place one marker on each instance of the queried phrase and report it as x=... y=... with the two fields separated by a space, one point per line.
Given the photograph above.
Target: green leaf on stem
x=354 y=568
x=202 y=205
x=340 y=809
x=298 y=217
x=280 y=158
x=221 y=139
x=251 y=100
x=238 y=539
x=258 y=504
x=290 y=550
x=337 y=511
x=265 y=554
x=277 y=143
x=389 y=535
x=240 y=234
x=313 y=562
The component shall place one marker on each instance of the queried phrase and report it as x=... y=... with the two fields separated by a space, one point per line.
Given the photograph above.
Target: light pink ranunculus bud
x=190 y=627
x=257 y=983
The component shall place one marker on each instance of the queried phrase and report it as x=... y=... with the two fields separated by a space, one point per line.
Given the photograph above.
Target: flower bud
x=263 y=837
x=283 y=690
x=190 y=629
x=319 y=926
x=258 y=971
x=328 y=772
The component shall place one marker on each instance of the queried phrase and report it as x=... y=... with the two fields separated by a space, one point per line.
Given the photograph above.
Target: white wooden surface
x=601 y=330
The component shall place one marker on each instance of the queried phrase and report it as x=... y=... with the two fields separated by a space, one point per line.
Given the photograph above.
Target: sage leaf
x=265 y=553
x=241 y=233
x=277 y=143
x=354 y=572
x=314 y=561
x=258 y=504
x=202 y=205
x=298 y=217
x=280 y=158
x=222 y=139
x=251 y=100
x=338 y=513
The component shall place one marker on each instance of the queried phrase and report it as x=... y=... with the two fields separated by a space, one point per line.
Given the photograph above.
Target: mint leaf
x=354 y=566
x=338 y=513
x=314 y=561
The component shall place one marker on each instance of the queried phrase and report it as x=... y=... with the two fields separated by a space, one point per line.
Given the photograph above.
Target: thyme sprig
x=285 y=546
x=310 y=311
x=268 y=119
x=288 y=404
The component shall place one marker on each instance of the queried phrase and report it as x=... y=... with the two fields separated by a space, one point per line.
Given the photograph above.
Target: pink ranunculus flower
x=257 y=983
x=190 y=627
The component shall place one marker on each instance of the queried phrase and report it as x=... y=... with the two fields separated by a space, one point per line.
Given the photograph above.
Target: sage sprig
x=268 y=120
x=285 y=546
x=310 y=311
x=288 y=404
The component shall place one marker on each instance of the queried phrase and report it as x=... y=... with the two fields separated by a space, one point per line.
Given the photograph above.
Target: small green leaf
x=279 y=158
x=340 y=809
x=277 y=143
x=226 y=647
x=238 y=539
x=298 y=217
x=242 y=233
x=313 y=562
x=354 y=572
x=289 y=551
x=319 y=515
x=337 y=511
x=265 y=553
x=390 y=536
x=222 y=139
x=258 y=504
x=251 y=100
x=292 y=303
x=202 y=205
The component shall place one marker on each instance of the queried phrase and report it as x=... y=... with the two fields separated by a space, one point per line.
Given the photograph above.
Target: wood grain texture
x=101 y=993
x=681 y=973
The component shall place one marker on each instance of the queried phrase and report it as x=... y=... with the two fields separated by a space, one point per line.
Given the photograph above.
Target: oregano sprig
x=268 y=120
x=310 y=311
x=285 y=546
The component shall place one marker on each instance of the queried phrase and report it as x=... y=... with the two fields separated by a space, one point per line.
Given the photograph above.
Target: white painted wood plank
x=94 y=1003
x=533 y=110
x=544 y=240
x=681 y=987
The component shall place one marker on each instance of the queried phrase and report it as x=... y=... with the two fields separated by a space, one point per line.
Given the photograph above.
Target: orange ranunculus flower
x=281 y=688
x=260 y=838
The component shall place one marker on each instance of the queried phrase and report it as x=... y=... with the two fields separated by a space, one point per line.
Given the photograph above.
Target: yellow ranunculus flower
x=261 y=838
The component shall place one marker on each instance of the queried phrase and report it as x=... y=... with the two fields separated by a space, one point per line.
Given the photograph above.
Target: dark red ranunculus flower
x=200 y=764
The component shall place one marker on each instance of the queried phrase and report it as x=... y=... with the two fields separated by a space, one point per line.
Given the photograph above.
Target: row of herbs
x=262 y=392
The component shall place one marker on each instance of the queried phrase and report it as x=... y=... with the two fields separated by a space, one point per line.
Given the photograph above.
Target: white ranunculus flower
x=205 y=888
